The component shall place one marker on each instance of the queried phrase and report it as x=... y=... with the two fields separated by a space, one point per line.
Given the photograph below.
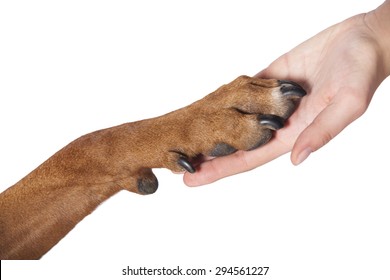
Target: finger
x=241 y=161
x=329 y=123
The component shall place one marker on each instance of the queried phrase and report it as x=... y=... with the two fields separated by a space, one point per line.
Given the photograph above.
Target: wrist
x=378 y=21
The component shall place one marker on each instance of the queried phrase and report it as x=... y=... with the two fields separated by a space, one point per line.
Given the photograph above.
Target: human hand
x=340 y=68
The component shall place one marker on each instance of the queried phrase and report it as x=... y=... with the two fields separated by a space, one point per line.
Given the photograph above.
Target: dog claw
x=271 y=121
x=183 y=162
x=292 y=89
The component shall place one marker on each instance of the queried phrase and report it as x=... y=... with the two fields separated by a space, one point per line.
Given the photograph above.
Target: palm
x=337 y=68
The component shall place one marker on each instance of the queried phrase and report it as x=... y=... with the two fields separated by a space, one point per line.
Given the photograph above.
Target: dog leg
x=38 y=211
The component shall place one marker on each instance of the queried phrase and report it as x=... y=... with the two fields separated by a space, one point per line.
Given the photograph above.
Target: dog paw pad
x=222 y=149
x=147 y=185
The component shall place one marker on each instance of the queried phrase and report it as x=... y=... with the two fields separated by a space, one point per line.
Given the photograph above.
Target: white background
x=71 y=67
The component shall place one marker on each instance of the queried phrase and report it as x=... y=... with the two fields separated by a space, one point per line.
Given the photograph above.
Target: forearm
x=378 y=21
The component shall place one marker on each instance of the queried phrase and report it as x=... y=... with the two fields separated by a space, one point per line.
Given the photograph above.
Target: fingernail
x=303 y=155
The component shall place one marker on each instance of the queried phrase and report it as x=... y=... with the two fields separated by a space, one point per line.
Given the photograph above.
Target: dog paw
x=242 y=115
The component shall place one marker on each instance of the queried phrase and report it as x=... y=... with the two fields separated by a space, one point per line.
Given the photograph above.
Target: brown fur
x=43 y=207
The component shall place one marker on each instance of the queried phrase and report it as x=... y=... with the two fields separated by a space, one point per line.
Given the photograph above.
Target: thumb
x=328 y=124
